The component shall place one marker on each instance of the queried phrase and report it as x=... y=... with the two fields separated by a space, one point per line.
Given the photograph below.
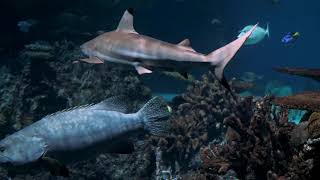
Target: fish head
x=18 y=149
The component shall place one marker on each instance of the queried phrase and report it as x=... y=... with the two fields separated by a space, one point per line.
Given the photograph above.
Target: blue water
x=192 y=20
x=172 y=21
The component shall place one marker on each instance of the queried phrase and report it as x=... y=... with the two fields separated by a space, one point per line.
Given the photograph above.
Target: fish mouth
x=2 y=157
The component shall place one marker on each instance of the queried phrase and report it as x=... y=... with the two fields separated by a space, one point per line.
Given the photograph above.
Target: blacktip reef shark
x=124 y=45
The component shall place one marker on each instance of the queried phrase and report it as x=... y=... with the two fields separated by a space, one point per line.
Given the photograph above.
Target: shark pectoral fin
x=185 y=42
x=92 y=60
x=55 y=167
x=142 y=70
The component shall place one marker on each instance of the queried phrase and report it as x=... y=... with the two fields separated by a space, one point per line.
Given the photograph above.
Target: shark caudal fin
x=221 y=57
x=154 y=113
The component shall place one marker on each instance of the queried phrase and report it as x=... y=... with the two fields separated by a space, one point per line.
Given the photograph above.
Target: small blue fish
x=24 y=26
x=257 y=35
x=290 y=37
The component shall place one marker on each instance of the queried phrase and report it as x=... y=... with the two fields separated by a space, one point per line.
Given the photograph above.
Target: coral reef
x=303 y=101
x=197 y=119
x=214 y=134
x=38 y=50
x=309 y=73
x=42 y=87
x=275 y=88
x=240 y=86
x=257 y=147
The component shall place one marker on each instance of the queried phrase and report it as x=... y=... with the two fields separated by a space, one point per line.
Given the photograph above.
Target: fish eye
x=2 y=149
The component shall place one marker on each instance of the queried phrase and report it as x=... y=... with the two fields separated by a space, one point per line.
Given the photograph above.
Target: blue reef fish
x=24 y=26
x=81 y=128
x=250 y=77
x=257 y=35
x=146 y=54
x=290 y=37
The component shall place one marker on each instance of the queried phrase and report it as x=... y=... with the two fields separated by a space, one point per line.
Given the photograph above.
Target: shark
x=146 y=54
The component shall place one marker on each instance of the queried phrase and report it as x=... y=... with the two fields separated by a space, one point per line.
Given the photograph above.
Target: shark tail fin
x=221 y=57
x=154 y=114
x=267 y=30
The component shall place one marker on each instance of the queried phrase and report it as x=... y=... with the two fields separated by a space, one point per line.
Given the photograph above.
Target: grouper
x=80 y=129
x=146 y=54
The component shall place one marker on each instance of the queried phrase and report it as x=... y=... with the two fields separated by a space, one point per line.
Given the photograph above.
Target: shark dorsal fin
x=185 y=42
x=126 y=22
x=186 y=45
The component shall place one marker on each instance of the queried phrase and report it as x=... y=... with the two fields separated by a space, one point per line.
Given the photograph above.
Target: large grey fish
x=80 y=128
x=124 y=45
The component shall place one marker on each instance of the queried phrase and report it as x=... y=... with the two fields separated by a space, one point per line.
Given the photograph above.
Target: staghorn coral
x=257 y=147
x=196 y=120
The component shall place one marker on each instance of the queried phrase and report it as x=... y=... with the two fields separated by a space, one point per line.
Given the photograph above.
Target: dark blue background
x=175 y=21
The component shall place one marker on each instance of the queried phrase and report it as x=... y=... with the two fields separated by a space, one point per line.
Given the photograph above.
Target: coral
x=296 y=115
x=309 y=73
x=240 y=86
x=303 y=101
x=213 y=134
x=44 y=87
x=274 y=88
x=257 y=146
x=39 y=50
x=196 y=120
x=314 y=125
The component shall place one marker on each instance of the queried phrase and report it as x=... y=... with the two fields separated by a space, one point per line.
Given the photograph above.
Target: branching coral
x=196 y=120
x=258 y=147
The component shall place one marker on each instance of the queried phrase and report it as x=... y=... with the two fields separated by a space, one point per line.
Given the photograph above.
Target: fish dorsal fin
x=70 y=109
x=115 y=103
x=126 y=22
x=185 y=42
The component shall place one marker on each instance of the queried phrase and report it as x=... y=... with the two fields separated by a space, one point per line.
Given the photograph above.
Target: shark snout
x=83 y=49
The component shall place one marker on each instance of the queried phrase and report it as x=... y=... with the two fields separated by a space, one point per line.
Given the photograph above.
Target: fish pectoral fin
x=121 y=147
x=92 y=60
x=142 y=70
x=55 y=167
